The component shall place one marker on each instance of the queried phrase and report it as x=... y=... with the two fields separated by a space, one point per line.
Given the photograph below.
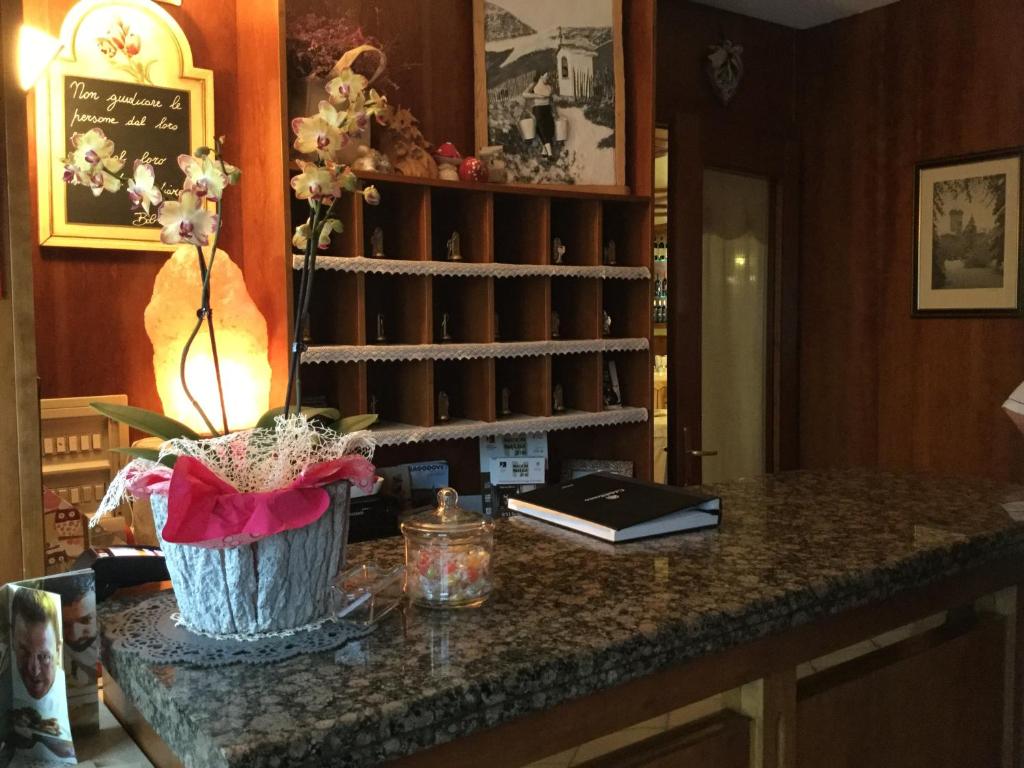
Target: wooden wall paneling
x=934 y=700
x=722 y=741
x=84 y=297
x=21 y=518
x=638 y=25
x=522 y=231
x=914 y=393
x=262 y=145
x=766 y=99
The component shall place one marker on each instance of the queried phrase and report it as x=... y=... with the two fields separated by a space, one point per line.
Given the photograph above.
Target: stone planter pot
x=277 y=584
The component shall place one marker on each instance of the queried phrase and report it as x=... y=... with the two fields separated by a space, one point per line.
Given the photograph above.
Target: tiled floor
x=611 y=742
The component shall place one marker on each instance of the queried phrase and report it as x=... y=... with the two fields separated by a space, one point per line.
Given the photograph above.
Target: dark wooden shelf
x=539 y=190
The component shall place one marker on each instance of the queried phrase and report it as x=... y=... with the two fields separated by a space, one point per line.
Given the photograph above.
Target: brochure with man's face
x=39 y=654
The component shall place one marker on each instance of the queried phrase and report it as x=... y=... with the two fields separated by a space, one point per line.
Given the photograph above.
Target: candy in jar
x=448 y=555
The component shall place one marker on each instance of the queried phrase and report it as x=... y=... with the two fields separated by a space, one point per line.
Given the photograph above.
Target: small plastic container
x=448 y=552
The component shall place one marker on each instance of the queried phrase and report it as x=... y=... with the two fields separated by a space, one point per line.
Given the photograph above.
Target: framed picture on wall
x=968 y=236
x=550 y=89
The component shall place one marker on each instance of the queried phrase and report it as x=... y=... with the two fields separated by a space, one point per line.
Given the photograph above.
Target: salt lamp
x=241 y=335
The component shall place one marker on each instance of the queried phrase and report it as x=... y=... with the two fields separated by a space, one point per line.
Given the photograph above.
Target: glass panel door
x=733 y=324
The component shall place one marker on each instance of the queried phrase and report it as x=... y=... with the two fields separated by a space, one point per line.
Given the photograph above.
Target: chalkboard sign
x=125 y=67
x=146 y=123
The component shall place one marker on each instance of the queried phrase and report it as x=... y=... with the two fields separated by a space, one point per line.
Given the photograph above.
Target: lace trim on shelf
x=403 y=434
x=345 y=353
x=471 y=269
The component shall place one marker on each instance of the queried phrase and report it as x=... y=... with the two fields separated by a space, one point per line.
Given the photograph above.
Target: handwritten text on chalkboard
x=145 y=122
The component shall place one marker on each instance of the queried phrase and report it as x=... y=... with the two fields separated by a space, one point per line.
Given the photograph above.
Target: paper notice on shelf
x=512 y=446
x=517 y=471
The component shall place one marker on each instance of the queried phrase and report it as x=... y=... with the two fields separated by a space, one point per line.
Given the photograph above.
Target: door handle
x=697 y=452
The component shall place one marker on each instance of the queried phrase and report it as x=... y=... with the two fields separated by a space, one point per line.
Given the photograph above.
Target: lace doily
x=150 y=630
x=401 y=434
x=472 y=269
x=350 y=353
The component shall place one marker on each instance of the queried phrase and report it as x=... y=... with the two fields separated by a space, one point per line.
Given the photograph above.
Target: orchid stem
x=302 y=308
x=205 y=313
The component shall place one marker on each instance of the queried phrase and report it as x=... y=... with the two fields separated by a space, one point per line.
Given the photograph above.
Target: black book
x=618 y=508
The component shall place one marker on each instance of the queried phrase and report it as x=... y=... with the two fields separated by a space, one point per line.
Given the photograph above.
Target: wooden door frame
x=21 y=517
x=741 y=149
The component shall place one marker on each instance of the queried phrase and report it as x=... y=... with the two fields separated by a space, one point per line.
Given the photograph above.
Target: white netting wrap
x=346 y=353
x=473 y=269
x=253 y=460
x=460 y=429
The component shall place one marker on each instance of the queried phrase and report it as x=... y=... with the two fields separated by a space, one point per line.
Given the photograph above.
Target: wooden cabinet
x=720 y=741
x=933 y=701
x=389 y=324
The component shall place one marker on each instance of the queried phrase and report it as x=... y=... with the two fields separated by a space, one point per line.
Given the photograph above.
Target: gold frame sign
x=125 y=68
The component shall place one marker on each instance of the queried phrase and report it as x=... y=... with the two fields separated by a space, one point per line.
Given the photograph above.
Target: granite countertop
x=572 y=615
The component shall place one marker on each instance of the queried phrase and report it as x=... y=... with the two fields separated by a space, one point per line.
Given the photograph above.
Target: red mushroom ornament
x=472 y=169
x=448 y=159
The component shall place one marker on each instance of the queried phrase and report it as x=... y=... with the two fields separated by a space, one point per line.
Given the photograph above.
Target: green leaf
x=139 y=453
x=355 y=423
x=151 y=423
x=325 y=414
x=147 y=453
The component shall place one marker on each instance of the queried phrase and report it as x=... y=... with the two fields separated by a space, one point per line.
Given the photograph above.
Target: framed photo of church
x=550 y=90
x=968 y=236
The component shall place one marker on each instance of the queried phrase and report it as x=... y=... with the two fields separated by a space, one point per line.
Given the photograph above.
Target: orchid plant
x=94 y=162
x=342 y=117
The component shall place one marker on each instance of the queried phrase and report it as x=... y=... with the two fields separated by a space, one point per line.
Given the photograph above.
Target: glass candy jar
x=448 y=555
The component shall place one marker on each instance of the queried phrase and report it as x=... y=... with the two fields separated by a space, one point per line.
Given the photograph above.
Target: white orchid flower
x=370 y=195
x=347 y=84
x=316 y=183
x=93 y=151
x=186 y=221
x=319 y=133
x=330 y=226
x=301 y=237
x=142 y=190
x=203 y=175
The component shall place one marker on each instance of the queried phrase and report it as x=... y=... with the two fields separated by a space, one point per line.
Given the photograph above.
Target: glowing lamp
x=36 y=50
x=241 y=335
